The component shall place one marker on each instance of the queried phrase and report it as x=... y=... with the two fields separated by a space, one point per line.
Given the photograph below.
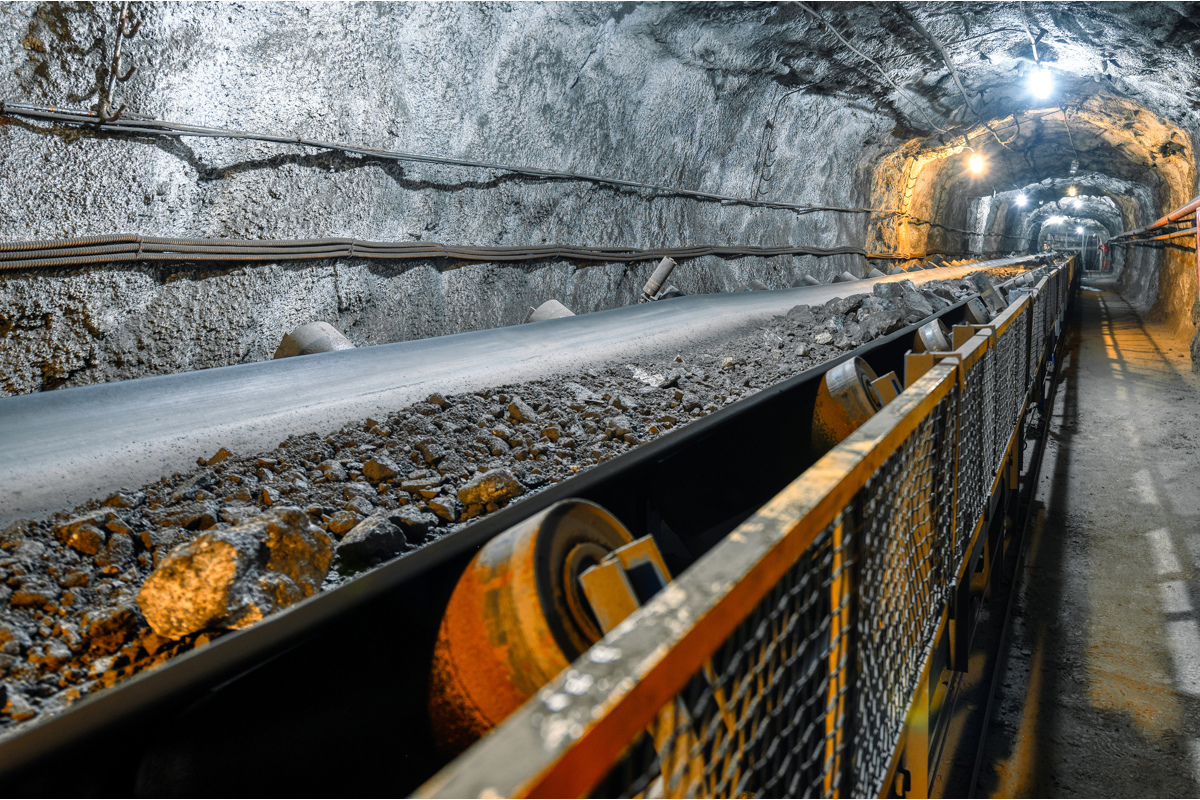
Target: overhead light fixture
x=976 y=162
x=1070 y=191
x=1041 y=83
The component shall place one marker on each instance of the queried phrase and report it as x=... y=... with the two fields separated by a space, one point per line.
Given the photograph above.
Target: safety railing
x=786 y=661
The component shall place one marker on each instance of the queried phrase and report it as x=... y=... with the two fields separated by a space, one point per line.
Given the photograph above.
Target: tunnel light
x=1021 y=200
x=1041 y=83
x=1079 y=230
x=1070 y=191
x=976 y=162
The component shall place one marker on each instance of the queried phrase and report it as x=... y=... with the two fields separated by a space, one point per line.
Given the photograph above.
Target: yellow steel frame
x=570 y=734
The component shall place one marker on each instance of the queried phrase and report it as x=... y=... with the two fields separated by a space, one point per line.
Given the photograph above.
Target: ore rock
x=380 y=469
x=221 y=579
x=519 y=411
x=376 y=537
x=489 y=487
x=416 y=524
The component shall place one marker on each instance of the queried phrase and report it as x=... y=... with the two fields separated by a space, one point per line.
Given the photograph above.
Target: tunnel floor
x=1101 y=695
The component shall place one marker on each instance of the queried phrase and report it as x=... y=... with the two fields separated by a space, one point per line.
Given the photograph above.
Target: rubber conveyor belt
x=65 y=447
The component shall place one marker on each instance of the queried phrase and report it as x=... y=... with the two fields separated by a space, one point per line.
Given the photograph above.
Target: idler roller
x=933 y=337
x=845 y=400
x=977 y=313
x=517 y=618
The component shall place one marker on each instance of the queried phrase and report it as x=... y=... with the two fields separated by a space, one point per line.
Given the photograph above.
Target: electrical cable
x=143 y=126
x=933 y=40
x=1033 y=45
x=65 y=253
x=863 y=55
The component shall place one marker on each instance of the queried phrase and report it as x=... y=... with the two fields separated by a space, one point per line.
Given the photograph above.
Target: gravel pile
x=97 y=594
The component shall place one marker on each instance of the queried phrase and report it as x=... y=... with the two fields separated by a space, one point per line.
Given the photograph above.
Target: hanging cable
x=864 y=56
x=131 y=124
x=933 y=40
x=1033 y=45
x=66 y=253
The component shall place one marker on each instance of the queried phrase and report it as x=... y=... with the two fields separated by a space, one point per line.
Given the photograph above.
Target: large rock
x=415 y=523
x=376 y=537
x=905 y=298
x=379 y=469
x=880 y=323
x=490 y=487
x=234 y=577
x=520 y=411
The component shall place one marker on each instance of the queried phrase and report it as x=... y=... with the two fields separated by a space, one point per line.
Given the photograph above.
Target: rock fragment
x=445 y=506
x=416 y=524
x=34 y=593
x=14 y=640
x=343 y=521
x=380 y=469
x=125 y=499
x=904 y=297
x=493 y=486
x=193 y=516
x=227 y=578
x=519 y=411
x=106 y=630
x=217 y=458
x=376 y=537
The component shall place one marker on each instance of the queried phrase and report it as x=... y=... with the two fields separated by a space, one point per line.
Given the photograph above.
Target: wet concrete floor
x=1101 y=695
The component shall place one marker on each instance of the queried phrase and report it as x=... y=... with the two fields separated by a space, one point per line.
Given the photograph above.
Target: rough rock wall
x=659 y=93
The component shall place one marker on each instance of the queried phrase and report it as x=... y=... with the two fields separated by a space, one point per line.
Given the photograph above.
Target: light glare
x=1054 y=220
x=1020 y=199
x=1079 y=230
x=976 y=163
x=1041 y=83
x=1071 y=191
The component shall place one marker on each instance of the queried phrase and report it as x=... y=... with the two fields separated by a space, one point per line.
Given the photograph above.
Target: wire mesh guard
x=906 y=562
x=971 y=448
x=809 y=696
x=766 y=716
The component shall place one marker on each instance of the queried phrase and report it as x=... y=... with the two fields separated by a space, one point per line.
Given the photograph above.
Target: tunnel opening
x=1049 y=182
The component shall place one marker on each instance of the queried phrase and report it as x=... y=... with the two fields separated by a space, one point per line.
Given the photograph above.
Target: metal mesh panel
x=765 y=717
x=906 y=556
x=1008 y=386
x=1039 y=328
x=971 y=470
x=988 y=408
x=810 y=694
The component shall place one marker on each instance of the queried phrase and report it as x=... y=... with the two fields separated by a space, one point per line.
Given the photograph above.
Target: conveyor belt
x=337 y=683
x=67 y=446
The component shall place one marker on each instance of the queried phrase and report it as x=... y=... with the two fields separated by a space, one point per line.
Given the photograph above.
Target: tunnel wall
x=678 y=95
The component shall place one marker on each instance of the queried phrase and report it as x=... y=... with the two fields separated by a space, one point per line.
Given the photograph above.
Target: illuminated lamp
x=1071 y=191
x=1041 y=83
x=976 y=162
